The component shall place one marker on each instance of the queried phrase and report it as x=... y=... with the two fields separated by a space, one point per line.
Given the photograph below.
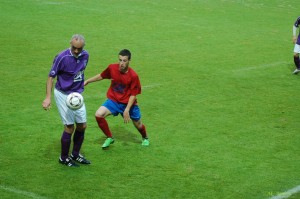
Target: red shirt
x=123 y=85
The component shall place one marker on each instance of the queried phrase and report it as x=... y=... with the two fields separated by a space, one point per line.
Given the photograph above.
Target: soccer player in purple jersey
x=296 y=41
x=68 y=66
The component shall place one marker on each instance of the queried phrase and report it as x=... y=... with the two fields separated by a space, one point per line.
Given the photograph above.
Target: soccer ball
x=74 y=101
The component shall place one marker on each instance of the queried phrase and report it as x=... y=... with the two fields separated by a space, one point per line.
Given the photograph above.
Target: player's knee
x=138 y=124
x=100 y=113
x=81 y=127
x=69 y=128
x=97 y=114
x=84 y=126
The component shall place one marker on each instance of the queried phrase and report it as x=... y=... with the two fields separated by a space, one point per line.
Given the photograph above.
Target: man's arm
x=47 y=101
x=294 y=34
x=295 y=27
x=126 y=115
x=93 y=79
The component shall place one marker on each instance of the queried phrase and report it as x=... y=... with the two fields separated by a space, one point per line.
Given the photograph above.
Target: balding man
x=68 y=66
x=296 y=41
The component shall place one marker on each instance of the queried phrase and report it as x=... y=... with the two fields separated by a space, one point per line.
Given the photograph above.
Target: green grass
x=219 y=101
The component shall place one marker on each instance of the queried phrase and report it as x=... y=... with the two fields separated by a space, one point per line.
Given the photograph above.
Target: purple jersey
x=69 y=71
x=296 y=24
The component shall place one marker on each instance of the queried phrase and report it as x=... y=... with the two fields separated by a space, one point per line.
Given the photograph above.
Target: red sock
x=143 y=131
x=102 y=123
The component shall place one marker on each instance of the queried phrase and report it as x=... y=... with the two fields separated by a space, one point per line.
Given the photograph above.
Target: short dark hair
x=125 y=52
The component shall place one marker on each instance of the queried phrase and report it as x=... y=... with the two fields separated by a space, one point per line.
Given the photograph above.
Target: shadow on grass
x=121 y=135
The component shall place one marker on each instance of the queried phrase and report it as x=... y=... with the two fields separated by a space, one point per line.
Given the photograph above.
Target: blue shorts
x=118 y=108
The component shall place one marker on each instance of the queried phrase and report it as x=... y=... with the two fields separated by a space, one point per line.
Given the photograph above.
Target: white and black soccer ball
x=74 y=101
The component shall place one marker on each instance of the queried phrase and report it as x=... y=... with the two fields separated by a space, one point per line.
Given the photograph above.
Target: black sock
x=65 y=145
x=78 y=140
x=296 y=61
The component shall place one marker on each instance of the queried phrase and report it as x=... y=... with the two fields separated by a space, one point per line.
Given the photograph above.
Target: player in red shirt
x=125 y=86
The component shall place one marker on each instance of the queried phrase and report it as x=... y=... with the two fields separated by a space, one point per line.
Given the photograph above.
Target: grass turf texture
x=219 y=101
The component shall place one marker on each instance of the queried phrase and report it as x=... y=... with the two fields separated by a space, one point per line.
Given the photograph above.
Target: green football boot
x=145 y=142
x=107 y=142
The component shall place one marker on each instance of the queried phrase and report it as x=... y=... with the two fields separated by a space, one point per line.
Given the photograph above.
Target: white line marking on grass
x=263 y=66
x=150 y=86
x=250 y=4
x=68 y=5
x=54 y=3
x=20 y=192
x=287 y=194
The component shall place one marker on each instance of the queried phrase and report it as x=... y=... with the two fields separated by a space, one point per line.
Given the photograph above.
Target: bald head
x=77 y=43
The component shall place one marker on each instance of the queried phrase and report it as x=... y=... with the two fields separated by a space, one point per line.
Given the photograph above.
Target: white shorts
x=297 y=48
x=67 y=115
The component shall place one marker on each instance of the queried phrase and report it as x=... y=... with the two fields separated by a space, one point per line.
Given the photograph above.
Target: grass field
x=219 y=101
